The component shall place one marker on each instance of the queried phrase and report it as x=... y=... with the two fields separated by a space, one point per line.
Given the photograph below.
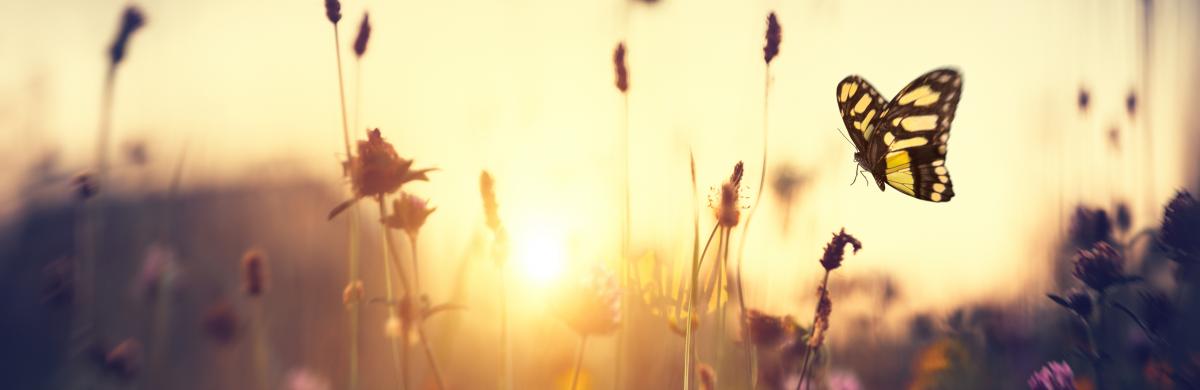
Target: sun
x=541 y=255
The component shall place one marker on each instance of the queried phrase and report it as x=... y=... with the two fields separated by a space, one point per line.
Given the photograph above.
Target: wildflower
x=1084 y=97
x=835 y=251
x=58 y=286
x=353 y=293
x=593 y=305
x=1053 y=376
x=254 y=273
x=728 y=212
x=364 y=35
x=159 y=268
x=1089 y=226
x=767 y=331
x=124 y=360
x=487 y=190
x=821 y=323
x=85 y=186
x=303 y=379
x=408 y=214
x=1100 y=267
x=1123 y=217
x=1181 y=228
x=378 y=169
x=774 y=36
x=619 y=65
x=707 y=375
x=221 y=322
x=131 y=21
x=333 y=10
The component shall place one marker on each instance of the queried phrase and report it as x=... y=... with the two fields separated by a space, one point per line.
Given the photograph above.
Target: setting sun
x=541 y=255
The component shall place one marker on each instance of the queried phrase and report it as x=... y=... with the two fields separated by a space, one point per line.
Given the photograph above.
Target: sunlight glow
x=541 y=255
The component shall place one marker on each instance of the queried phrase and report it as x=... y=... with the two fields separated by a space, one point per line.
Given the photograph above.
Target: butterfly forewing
x=914 y=129
x=861 y=106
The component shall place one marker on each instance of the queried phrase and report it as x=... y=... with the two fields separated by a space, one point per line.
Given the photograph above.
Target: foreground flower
x=131 y=21
x=592 y=306
x=409 y=213
x=729 y=211
x=774 y=37
x=1053 y=376
x=1100 y=267
x=1181 y=228
x=378 y=169
x=835 y=251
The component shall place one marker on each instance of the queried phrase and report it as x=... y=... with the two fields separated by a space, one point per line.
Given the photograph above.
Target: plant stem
x=722 y=271
x=504 y=347
x=437 y=372
x=399 y=355
x=688 y=356
x=625 y=256
x=578 y=361
x=762 y=180
x=352 y=224
x=809 y=351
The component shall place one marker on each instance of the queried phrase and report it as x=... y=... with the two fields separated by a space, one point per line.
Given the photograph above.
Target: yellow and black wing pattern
x=905 y=144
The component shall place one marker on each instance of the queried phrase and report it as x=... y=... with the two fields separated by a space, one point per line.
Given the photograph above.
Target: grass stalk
x=752 y=355
x=578 y=361
x=433 y=366
x=622 y=337
x=688 y=337
x=399 y=355
x=808 y=352
x=352 y=230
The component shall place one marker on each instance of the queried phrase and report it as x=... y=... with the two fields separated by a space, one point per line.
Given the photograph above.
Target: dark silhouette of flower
x=729 y=210
x=1180 y=233
x=774 y=37
x=1083 y=99
x=378 y=169
x=409 y=213
x=1090 y=226
x=592 y=306
x=254 y=273
x=767 y=331
x=131 y=20
x=1100 y=267
x=835 y=251
x=620 y=67
x=221 y=322
x=333 y=10
x=85 y=186
x=364 y=35
x=1053 y=376
x=1131 y=103
x=1123 y=217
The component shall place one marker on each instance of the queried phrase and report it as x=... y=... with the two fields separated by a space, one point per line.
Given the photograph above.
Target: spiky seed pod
x=131 y=21
x=835 y=251
x=1100 y=267
x=774 y=37
x=729 y=211
x=621 y=70
x=254 y=273
x=1181 y=228
x=364 y=35
x=333 y=10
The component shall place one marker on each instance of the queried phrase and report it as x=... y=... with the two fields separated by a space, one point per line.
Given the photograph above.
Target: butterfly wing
x=915 y=127
x=860 y=105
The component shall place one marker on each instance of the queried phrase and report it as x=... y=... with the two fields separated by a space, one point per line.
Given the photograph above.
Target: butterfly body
x=902 y=142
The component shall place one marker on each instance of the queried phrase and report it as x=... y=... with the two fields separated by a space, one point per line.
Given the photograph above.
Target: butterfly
x=903 y=142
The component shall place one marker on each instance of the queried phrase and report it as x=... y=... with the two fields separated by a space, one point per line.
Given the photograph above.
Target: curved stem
x=579 y=361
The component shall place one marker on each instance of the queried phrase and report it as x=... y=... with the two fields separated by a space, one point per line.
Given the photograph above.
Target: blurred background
x=226 y=135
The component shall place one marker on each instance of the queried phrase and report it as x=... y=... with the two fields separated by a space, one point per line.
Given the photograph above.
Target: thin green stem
x=578 y=361
x=354 y=312
x=433 y=366
x=762 y=181
x=722 y=266
x=624 y=258
x=679 y=307
x=809 y=351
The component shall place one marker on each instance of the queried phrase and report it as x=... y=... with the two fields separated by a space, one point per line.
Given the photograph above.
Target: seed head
x=131 y=20
x=378 y=169
x=409 y=213
x=1099 y=267
x=254 y=273
x=333 y=10
x=729 y=210
x=364 y=35
x=774 y=37
x=1181 y=228
x=835 y=251
x=1090 y=226
x=621 y=69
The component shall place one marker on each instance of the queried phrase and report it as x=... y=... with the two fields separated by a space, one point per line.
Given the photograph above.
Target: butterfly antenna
x=839 y=131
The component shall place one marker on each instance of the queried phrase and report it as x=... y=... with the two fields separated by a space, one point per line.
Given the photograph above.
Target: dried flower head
x=1053 y=376
x=1131 y=103
x=221 y=322
x=1180 y=233
x=333 y=10
x=592 y=306
x=254 y=272
x=364 y=35
x=707 y=376
x=835 y=251
x=58 y=282
x=125 y=359
x=621 y=69
x=1123 y=217
x=378 y=169
x=768 y=331
x=729 y=211
x=353 y=293
x=487 y=190
x=1089 y=226
x=85 y=186
x=409 y=213
x=1100 y=267
x=774 y=37
x=1083 y=99
x=821 y=321
x=131 y=20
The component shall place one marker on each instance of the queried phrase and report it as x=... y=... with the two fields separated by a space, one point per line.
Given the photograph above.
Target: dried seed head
x=221 y=322
x=621 y=69
x=254 y=273
x=487 y=190
x=353 y=293
x=836 y=249
x=409 y=213
x=379 y=170
x=1180 y=233
x=364 y=35
x=729 y=212
x=1099 y=267
x=333 y=10
x=131 y=20
x=774 y=37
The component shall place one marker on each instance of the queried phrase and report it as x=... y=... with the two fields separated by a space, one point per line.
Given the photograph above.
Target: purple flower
x=1100 y=267
x=1053 y=376
x=1181 y=228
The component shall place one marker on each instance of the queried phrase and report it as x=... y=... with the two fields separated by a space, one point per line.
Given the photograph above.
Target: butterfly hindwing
x=860 y=105
x=914 y=128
